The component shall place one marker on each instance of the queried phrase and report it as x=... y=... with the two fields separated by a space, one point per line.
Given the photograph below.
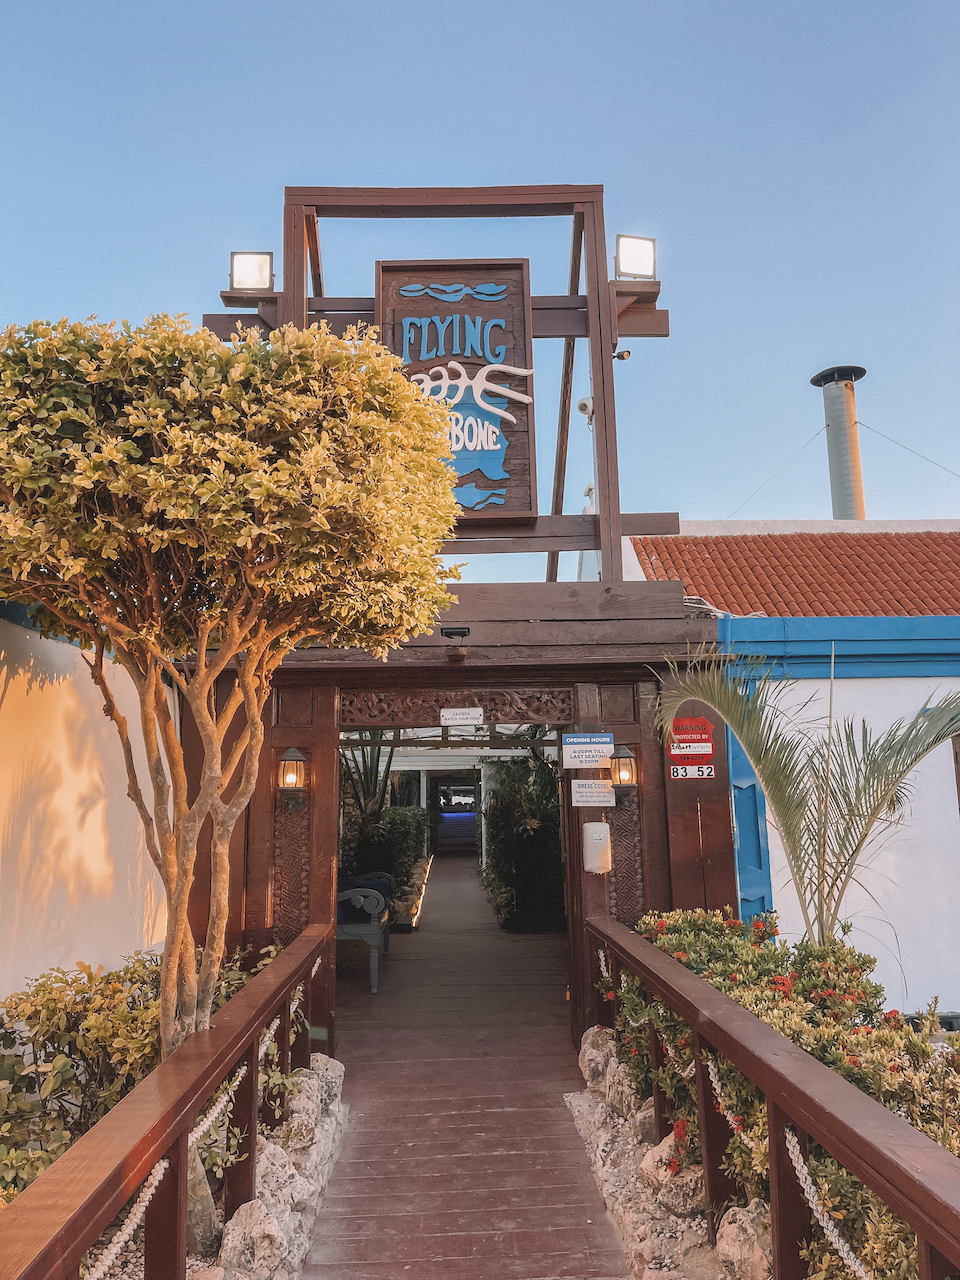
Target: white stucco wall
x=915 y=879
x=76 y=882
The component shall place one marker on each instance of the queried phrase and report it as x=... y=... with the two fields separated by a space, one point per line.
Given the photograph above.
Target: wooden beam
x=313 y=253
x=442 y=202
x=566 y=393
x=293 y=301
x=604 y=407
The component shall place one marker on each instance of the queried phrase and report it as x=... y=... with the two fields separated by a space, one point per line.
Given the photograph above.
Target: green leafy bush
x=823 y=999
x=395 y=844
x=524 y=866
x=71 y=1046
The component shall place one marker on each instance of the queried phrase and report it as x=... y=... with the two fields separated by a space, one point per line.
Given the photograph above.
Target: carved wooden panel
x=626 y=879
x=420 y=708
x=291 y=869
x=616 y=704
x=294 y=705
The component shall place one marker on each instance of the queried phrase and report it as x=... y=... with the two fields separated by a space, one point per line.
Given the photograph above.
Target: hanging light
x=292 y=778
x=623 y=771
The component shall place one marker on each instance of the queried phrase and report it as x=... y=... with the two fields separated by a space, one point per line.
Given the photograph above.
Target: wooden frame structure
x=579 y=655
x=606 y=311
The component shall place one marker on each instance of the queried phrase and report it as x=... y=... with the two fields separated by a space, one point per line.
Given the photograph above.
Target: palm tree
x=832 y=797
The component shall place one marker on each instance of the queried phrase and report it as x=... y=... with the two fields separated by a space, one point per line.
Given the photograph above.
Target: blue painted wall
x=799 y=648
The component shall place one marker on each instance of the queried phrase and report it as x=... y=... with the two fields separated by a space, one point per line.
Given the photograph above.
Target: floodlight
x=636 y=258
x=251 y=272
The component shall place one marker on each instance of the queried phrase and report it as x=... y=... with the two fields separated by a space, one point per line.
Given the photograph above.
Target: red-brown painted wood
x=918 y=1179
x=661 y=1103
x=51 y=1224
x=720 y=1188
x=165 y=1222
x=789 y=1211
x=240 y=1180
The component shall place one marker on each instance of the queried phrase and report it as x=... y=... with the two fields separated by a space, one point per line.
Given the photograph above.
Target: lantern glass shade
x=623 y=768
x=251 y=272
x=636 y=257
x=293 y=771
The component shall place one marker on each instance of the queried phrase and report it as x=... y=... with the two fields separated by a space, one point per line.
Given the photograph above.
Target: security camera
x=585 y=406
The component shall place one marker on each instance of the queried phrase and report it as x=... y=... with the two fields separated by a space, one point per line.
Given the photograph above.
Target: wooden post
x=165 y=1222
x=714 y=1139
x=661 y=1103
x=300 y=1050
x=604 y=411
x=276 y=1099
x=789 y=1211
x=241 y=1178
x=566 y=395
x=586 y=893
x=654 y=839
x=933 y=1265
x=293 y=301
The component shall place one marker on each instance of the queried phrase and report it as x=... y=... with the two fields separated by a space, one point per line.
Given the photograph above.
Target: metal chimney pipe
x=843 y=440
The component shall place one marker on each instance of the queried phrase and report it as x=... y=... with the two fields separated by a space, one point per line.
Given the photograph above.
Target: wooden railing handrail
x=51 y=1224
x=916 y=1177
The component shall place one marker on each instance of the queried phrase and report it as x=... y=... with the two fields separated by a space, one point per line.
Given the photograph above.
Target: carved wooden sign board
x=464 y=332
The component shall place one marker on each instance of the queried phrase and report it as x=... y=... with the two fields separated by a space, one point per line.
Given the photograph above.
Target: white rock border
x=269 y=1238
x=658 y=1215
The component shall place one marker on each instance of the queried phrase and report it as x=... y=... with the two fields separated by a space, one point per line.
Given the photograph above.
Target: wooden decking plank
x=461 y=1160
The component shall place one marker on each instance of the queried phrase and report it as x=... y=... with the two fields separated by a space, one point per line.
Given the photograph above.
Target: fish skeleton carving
x=440 y=384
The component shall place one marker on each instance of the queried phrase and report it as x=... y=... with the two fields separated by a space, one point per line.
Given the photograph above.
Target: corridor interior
x=460 y=1159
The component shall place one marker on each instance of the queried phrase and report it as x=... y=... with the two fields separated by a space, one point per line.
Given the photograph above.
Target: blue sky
x=798 y=164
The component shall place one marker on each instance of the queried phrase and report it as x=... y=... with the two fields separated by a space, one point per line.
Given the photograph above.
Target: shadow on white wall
x=76 y=882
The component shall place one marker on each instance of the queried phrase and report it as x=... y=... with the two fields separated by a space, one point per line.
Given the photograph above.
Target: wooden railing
x=48 y=1228
x=918 y=1179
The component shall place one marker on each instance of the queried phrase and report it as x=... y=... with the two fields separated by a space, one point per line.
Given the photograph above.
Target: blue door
x=749 y=834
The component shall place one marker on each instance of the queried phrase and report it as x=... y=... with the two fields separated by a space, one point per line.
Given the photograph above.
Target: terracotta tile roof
x=803 y=575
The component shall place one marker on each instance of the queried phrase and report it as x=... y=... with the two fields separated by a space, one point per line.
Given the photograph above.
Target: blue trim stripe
x=865 y=647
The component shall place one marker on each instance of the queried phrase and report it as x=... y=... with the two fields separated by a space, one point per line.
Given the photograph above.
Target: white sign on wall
x=461 y=715
x=592 y=793
x=587 y=750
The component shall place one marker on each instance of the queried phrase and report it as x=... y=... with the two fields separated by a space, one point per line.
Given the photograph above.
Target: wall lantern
x=623 y=771
x=636 y=258
x=292 y=778
x=251 y=273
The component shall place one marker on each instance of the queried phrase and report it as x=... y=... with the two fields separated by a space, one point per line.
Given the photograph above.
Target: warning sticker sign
x=692 y=740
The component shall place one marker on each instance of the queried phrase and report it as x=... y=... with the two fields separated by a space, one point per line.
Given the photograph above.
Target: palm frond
x=832 y=799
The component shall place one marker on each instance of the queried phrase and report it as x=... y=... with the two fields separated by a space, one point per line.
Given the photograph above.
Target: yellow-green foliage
x=156 y=477
x=72 y=1045
x=821 y=998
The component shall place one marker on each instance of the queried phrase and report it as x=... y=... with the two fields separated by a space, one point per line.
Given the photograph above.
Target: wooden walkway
x=461 y=1161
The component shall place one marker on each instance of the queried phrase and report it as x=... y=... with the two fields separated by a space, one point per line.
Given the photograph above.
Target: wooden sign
x=692 y=742
x=464 y=332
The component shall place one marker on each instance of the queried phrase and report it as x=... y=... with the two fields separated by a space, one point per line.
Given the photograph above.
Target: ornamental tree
x=195 y=510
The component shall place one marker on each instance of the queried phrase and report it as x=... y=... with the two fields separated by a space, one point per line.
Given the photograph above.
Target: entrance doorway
x=415 y=797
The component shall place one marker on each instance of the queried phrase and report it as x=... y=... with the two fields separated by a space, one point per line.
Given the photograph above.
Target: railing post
x=300 y=1050
x=789 y=1211
x=322 y=1037
x=277 y=1098
x=661 y=1103
x=714 y=1139
x=933 y=1265
x=165 y=1222
x=241 y=1178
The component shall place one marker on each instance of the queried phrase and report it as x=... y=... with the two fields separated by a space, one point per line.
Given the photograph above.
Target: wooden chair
x=370 y=931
